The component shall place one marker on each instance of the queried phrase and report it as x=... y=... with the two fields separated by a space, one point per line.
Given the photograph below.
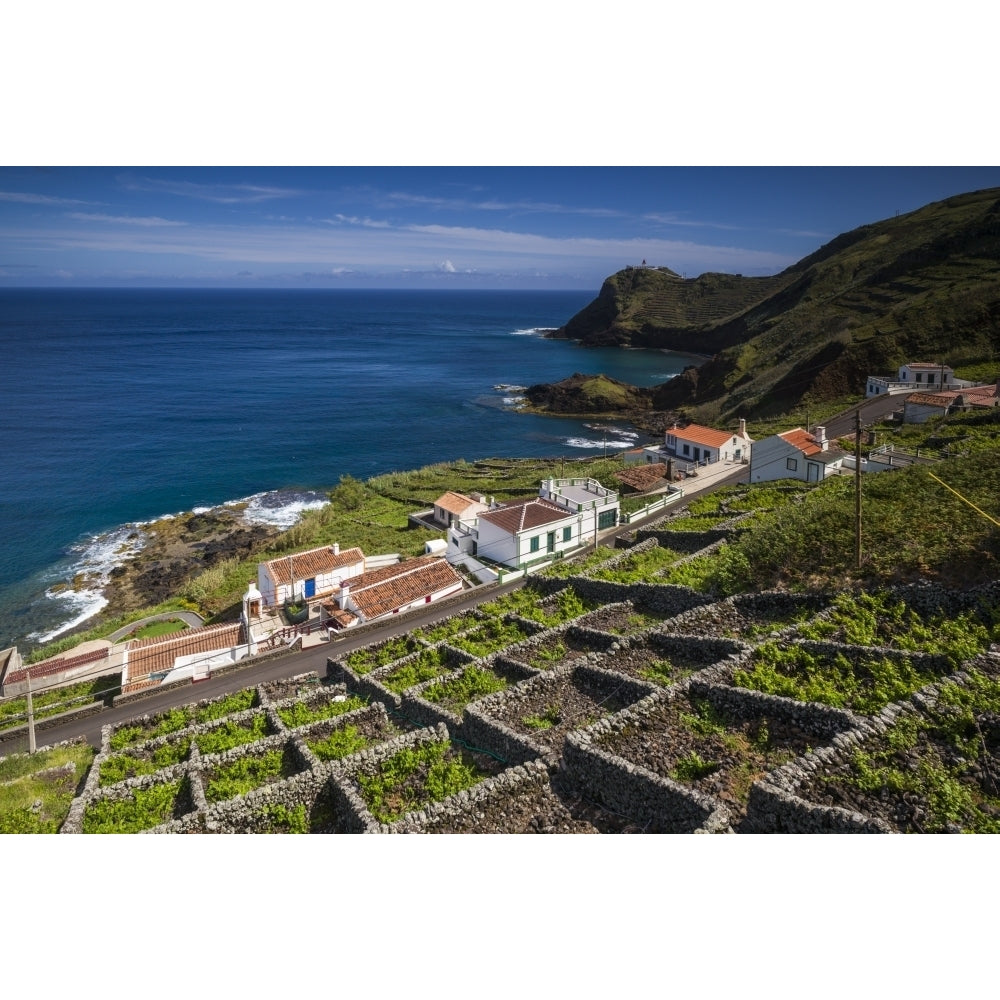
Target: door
x=812 y=472
x=550 y=542
x=310 y=590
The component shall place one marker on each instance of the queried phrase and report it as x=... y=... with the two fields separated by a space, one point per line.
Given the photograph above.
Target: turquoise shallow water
x=122 y=406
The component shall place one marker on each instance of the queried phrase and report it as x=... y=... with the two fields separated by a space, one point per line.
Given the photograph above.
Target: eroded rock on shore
x=176 y=550
x=598 y=396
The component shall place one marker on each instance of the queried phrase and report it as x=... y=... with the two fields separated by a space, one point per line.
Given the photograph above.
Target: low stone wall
x=483 y=723
x=354 y=815
x=468 y=812
x=823 y=720
x=688 y=542
x=776 y=805
x=658 y=804
x=419 y=711
x=717 y=617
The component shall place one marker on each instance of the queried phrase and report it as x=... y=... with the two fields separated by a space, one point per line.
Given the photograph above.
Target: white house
x=914 y=376
x=452 y=506
x=194 y=653
x=566 y=515
x=391 y=590
x=922 y=406
x=704 y=445
x=305 y=575
x=796 y=454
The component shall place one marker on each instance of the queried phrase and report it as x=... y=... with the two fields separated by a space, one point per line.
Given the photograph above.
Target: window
x=533 y=545
x=791 y=464
x=567 y=533
x=687 y=449
x=919 y=377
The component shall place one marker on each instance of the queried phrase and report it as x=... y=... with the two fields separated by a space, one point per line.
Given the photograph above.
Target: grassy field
x=36 y=791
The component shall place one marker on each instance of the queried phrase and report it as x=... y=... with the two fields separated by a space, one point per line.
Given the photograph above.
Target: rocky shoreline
x=598 y=396
x=176 y=550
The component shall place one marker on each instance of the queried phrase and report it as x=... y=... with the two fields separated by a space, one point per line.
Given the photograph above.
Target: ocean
x=121 y=406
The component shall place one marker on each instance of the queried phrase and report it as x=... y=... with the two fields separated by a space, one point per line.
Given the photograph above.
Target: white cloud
x=40 y=199
x=353 y=220
x=384 y=250
x=224 y=194
x=495 y=205
x=128 y=220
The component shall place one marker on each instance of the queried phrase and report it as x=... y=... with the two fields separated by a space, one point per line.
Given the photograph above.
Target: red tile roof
x=642 y=477
x=802 y=440
x=315 y=562
x=943 y=399
x=701 y=435
x=454 y=503
x=158 y=652
x=340 y=618
x=382 y=591
x=523 y=515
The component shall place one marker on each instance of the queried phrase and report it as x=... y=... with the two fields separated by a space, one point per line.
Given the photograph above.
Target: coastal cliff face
x=656 y=307
x=924 y=286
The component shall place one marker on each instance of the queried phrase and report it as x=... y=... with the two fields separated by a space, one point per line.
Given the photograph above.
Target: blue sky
x=434 y=227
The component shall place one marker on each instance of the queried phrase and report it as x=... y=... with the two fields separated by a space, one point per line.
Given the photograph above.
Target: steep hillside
x=921 y=286
x=655 y=307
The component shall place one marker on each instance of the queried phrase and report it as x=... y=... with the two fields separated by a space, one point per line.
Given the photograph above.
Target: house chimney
x=743 y=428
x=336 y=548
x=342 y=597
x=819 y=433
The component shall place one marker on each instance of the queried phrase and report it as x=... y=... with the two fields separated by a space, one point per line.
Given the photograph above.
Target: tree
x=350 y=494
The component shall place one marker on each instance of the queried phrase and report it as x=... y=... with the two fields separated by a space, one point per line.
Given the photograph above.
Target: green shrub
x=303 y=712
x=340 y=743
x=416 y=776
x=473 y=683
x=145 y=808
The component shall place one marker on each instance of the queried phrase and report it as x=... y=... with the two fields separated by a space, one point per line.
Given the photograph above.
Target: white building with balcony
x=566 y=514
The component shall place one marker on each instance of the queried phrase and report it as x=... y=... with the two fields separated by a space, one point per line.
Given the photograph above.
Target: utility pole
x=857 y=488
x=31 y=716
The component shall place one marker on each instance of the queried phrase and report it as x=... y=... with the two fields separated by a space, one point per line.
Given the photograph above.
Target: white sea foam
x=92 y=560
x=91 y=566
x=623 y=432
x=282 y=508
x=531 y=331
x=513 y=400
x=83 y=604
x=579 y=442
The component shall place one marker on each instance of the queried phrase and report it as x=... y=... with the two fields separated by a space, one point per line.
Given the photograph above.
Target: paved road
x=316 y=657
x=188 y=617
x=872 y=410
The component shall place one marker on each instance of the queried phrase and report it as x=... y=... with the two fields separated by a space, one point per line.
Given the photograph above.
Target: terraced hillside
x=920 y=286
x=616 y=699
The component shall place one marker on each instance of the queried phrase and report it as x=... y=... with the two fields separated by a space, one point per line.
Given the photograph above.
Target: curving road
x=315 y=658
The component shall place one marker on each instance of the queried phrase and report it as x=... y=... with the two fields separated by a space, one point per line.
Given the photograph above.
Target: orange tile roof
x=454 y=503
x=523 y=515
x=159 y=652
x=701 y=435
x=375 y=594
x=339 y=617
x=932 y=398
x=642 y=477
x=802 y=440
x=315 y=562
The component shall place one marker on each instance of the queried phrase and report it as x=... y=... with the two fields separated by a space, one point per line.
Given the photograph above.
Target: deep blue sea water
x=122 y=406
